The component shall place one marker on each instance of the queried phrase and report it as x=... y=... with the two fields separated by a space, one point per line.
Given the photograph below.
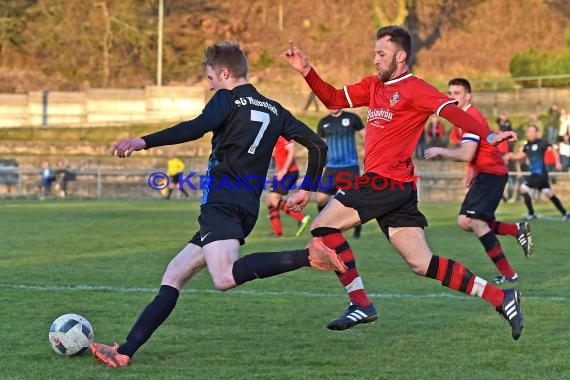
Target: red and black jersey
x=397 y=113
x=487 y=158
x=280 y=153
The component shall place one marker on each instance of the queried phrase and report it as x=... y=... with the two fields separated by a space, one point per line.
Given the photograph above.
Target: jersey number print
x=263 y=118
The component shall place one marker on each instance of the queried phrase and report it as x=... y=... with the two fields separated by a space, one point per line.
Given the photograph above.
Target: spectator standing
x=553 y=124
x=564 y=123
x=47 y=176
x=564 y=152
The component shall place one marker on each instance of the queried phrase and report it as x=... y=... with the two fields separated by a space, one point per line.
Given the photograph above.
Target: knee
x=223 y=283
x=464 y=223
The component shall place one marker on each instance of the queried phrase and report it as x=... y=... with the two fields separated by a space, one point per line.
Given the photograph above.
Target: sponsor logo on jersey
x=379 y=114
x=394 y=99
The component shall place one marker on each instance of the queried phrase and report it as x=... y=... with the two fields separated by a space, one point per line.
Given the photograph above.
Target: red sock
x=493 y=295
x=297 y=215
x=275 y=220
x=502 y=228
x=495 y=253
x=456 y=276
x=351 y=279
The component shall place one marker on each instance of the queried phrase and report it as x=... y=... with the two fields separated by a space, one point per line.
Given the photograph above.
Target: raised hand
x=297 y=59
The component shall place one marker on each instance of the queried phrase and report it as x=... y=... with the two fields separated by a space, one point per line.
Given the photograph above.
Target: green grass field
x=104 y=259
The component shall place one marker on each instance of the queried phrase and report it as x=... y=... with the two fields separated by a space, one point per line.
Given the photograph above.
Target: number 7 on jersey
x=263 y=118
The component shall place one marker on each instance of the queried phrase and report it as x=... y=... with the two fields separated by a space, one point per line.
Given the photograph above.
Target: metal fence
x=16 y=182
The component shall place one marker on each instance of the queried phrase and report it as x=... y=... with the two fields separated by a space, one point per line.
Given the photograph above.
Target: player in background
x=339 y=129
x=286 y=176
x=245 y=126
x=399 y=105
x=174 y=168
x=486 y=177
x=534 y=151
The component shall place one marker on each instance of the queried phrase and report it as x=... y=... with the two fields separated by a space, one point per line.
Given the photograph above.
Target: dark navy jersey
x=535 y=152
x=339 y=133
x=245 y=126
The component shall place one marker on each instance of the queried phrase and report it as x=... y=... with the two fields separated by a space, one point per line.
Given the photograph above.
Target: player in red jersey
x=399 y=105
x=486 y=178
x=284 y=180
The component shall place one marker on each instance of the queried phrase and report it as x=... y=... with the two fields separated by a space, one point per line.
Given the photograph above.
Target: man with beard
x=399 y=105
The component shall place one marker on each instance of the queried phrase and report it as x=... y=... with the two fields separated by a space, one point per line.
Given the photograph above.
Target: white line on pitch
x=51 y=288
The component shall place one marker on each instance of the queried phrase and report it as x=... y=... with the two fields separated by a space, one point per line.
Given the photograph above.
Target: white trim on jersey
x=466 y=107
x=347 y=96
x=398 y=79
x=444 y=104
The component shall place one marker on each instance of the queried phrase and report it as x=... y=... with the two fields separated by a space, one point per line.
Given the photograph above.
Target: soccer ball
x=70 y=334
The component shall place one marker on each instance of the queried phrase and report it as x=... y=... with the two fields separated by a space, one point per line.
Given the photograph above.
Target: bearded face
x=386 y=74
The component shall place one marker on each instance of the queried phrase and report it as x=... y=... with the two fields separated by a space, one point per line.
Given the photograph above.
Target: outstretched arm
x=330 y=96
x=466 y=122
x=211 y=117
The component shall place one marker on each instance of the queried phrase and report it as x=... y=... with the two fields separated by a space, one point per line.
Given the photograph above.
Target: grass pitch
x=104 y=259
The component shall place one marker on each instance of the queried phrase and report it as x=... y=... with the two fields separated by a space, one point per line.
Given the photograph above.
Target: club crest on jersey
x=394 y=99
x=345 y=122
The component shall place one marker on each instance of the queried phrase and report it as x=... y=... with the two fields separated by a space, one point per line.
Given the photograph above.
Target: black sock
x=184 y=192
x=153 y=315
x=169 y=193
x=528 y=203
x=558 y=204
x=268 y=264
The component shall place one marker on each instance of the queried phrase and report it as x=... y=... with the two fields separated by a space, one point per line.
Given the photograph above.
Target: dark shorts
x=221 y=221
x=484 y=196
x=391 y=203
x=175 y=179
x=286 y=184
x=329 y=179
x=537 y=181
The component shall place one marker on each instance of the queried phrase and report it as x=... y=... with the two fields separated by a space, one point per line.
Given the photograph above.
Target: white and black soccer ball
x=70 y=334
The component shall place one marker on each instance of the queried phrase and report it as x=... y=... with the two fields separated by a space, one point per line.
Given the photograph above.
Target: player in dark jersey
x=399 y=105
x=245 y=126
x=486 y=178
x=534 y=151
x=338 y=129
x=285 y=179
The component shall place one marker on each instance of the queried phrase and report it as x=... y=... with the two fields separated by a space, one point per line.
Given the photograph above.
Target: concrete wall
x=169 y=103
x=101 y=106
x=521 y=101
